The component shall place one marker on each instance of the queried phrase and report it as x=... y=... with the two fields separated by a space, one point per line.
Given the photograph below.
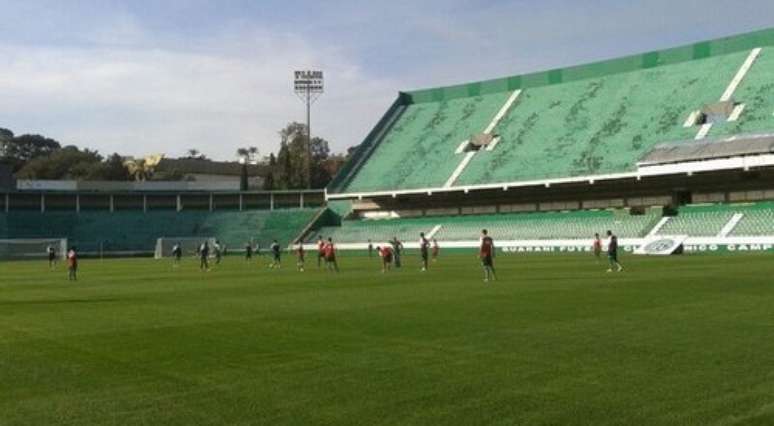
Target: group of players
x=326 y=253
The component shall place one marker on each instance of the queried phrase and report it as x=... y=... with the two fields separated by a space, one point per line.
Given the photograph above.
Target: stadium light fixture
x=308 y=86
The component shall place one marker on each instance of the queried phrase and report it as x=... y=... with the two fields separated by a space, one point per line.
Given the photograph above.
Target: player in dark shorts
x=397 y=247
x=248 y=252
x=370 y=249
x=330 y=256
x=386 y=254
x=276 y=252
x=51 y=256
x=320 y=251
x=300 y=252
x=204 y=253
x=424 y=250
x=612 y=252
x=72 y=265
x=486 y=254
x=218 y=251
x=177 y=253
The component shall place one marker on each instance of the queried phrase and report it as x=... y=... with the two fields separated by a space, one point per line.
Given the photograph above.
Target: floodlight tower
x=308 y=86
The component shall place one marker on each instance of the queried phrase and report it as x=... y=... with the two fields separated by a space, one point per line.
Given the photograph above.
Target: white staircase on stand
x=730 y=225
x=658 y=226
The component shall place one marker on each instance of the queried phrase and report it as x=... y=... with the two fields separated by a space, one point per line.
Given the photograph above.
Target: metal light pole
x=308 y=86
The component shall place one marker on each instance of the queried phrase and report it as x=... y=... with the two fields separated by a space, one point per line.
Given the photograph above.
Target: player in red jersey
x=486 y=253
x=329 y=250
x=436 y=250
x=72 y=265
x=386 y=255
x=597 y=246
x=320 y=251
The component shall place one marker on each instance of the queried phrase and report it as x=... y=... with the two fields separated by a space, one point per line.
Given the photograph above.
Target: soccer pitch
x=673 y=340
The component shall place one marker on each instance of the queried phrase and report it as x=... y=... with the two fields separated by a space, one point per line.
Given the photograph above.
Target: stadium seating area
x=137 y=231
x=358 y=231
x=756 y=222
x=694 y=220
x=708 y=220
x=698 y=221
x=542 y=226
x=587 y=120
x=515 y=226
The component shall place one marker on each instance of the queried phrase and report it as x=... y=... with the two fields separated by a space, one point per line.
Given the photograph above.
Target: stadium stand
x=132 y=231
x=754 y=219
x=589 y=120
x=359 y=231
x=515 y=226
x=698 y=221
x=756 y=222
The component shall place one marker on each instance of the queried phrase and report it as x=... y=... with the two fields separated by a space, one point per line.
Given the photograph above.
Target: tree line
x=32 y=156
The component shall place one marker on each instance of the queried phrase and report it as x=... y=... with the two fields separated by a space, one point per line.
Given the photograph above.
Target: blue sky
x=142 y=77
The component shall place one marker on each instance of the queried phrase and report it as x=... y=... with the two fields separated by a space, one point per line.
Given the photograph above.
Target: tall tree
x=66 y=163
x=292 y=158
x=18 y=150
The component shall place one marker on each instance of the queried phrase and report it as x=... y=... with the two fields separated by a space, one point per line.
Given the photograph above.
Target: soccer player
x=218 y=251
x=486 y=253
x=424 y=248
x=436 y=250
x=397 y=246
x=300 y=256
x=320 y=250
x=597 y=246
x=370 y=249
x=248 y=252
x=177 y=253
x=612 y=252
x=276 y=252
x=386 y=255
x=330 y=256
x=51 y=256
x=72 y=265
x=204 y=253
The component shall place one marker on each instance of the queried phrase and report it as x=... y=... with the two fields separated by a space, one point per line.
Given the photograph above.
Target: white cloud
x=233 y=91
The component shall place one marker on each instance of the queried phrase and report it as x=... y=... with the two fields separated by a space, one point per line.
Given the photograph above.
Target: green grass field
x=677 y=340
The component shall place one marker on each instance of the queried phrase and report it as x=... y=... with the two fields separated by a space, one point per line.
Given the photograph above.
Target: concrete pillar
x=271 y=201
x=112 y=204
x=7 y=202
x=179 y=203
x=77 y=203
x=42 y=203
x=144 y=203
x=212 y=203
x=301 y=200
x=241 y=202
